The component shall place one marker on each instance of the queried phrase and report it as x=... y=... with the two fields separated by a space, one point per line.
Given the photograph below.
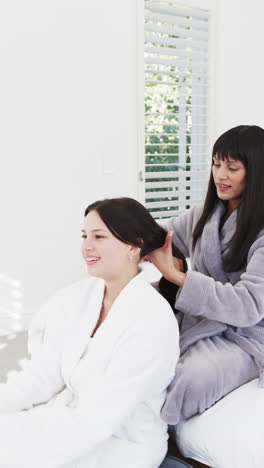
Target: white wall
x=68 y=131
x=239 y=64
x=68 y=121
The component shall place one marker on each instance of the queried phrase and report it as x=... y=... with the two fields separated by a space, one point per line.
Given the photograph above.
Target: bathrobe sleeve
x=182 y=228
x=41 y=378
x=141 y=367
x=240 y=305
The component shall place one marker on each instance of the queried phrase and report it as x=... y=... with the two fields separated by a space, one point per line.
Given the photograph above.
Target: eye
x=84 y=236
x=216 y=164
x=98 y=236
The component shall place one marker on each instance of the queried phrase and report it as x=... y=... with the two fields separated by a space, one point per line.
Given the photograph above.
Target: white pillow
x=230 y=434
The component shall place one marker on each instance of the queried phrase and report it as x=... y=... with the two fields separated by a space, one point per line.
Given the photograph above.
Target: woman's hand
x=169 y=266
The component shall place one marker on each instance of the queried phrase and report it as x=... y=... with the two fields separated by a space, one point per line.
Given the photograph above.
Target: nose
x=87 y=244
x=222 y=173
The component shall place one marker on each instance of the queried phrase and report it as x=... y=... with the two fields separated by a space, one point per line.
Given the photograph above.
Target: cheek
x=108 y=252
x=243 y=182
x=114 y=252
x=118 y=256
x=213 y=172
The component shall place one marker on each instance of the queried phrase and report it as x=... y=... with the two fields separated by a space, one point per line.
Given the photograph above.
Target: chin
x=223 y=196
x=92 y=272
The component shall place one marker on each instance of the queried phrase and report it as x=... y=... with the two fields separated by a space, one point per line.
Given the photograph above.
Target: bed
x=231 y=433
x=228 y=435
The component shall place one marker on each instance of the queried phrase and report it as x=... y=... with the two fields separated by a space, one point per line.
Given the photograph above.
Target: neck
x=114 y=287
x=233 y=205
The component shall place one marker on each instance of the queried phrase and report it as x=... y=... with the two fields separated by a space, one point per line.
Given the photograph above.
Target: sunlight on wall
x=11 y=307
x=13 y=337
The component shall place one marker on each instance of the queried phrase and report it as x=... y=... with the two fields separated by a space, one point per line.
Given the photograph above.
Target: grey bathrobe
x=220 y=317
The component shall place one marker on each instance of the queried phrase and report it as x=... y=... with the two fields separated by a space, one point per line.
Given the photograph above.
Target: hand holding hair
x=169 y=266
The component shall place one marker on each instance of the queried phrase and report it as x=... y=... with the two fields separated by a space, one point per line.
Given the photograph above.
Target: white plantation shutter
x=176 y=106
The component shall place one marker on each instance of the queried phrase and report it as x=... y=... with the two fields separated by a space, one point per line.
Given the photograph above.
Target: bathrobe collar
x=215 y=244
x=121 y=315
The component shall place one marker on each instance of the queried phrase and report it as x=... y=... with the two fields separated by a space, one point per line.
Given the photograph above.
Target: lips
x=91 y=260
x=223 y=187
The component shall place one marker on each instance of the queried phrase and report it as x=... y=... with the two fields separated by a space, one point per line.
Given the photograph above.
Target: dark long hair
x=246 y=144
x=130 y=222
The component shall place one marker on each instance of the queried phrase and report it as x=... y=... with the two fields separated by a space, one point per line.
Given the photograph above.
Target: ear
x=134 y=250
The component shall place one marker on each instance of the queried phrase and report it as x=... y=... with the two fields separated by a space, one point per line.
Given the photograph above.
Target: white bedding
x=230 y=434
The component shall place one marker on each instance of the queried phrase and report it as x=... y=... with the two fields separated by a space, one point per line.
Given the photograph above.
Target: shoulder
x=157 y=328
x=66 y=301
x=259 y=242
x=77 y=290
x=149 y=327
x=187 y=220
x=257 y=248
x=149 y=292
x=80 y=286
x=194 y=214
x=151 y=310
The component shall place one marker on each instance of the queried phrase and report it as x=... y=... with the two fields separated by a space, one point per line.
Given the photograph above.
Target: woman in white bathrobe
x=221 y=301
x=104 y=351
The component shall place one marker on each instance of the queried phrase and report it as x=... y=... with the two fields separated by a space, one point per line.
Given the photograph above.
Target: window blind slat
x=171 y=193
x=191 y=164
x=167 y=19
x=175 y=84
x=168 y=213
x=175 y=184
x=182 y=43
x=173 y=30
x=173 y=144
x=171 y=135
x=179 y=115
x=194 y=77
x=169 y=114
x=172 y=174
x=176 y=53
x=158 y=166
x=154 y=60
x=189 y=11
x=171 y=203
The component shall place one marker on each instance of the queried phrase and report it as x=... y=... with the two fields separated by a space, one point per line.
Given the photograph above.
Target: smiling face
x=105 y=256
x=230 y=179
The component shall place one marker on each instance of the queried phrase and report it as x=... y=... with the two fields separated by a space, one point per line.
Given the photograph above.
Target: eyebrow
x=230 y=161
x=94 y=230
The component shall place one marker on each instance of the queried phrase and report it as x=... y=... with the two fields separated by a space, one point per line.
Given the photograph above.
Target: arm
x=240 y=305
x=141 y=368
x=41 y=377
x=35 y=384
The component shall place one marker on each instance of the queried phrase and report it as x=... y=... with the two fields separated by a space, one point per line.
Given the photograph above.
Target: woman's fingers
x=163 y=259
x=178 y=264
x=168 y=240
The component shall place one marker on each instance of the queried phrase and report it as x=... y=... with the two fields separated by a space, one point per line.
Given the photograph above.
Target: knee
x=197 y=373
x=192 y=390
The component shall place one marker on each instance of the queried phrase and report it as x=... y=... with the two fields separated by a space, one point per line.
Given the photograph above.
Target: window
x=176 y=106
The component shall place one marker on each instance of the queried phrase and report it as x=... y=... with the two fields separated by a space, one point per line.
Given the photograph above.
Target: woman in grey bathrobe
x=221 y=301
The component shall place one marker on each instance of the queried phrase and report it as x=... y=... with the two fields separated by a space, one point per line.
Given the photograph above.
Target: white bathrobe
x=92 y=402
